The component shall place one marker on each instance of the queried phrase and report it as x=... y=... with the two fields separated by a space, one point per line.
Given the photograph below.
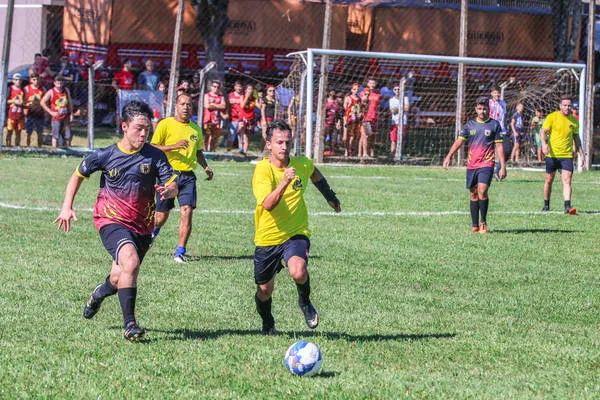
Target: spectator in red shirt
x=123 y=80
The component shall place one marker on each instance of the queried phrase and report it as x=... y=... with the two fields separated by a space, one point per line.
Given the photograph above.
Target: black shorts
x=479 y=175
x=269 y=260
x=186 y=196
x=553 y=164
x=114 y=236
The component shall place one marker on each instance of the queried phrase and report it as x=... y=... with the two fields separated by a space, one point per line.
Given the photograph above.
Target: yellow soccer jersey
x=290 y=216
x=180 y=159
x=562 y=129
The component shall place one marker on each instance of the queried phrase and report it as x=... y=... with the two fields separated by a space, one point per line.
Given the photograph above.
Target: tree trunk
x=566 y=17
x=211 y=21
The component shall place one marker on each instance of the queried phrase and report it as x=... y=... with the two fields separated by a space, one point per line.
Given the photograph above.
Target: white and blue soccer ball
x=303 y=358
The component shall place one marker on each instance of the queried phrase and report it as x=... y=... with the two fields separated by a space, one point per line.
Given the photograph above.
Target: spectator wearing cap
x=15 y=121
x=481 y=134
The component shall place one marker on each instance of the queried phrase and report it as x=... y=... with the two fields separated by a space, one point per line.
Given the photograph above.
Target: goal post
x=431 y=90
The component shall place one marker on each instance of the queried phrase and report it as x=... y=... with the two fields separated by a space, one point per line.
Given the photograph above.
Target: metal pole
x=589 y=106
x=91 y=102
x=319 y=142
x=4 y=72
x=398 y=156
x=203 y=73
x=309 y=102
x=460 y=89
x=174 y=75
x=90 y=107
x=298 y=140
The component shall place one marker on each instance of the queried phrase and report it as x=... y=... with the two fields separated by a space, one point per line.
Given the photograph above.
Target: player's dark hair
x=565 y=97
x=277 y=124
x=135 y=108
x=494 y=88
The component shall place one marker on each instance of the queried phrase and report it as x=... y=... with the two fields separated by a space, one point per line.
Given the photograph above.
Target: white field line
x=319 y=213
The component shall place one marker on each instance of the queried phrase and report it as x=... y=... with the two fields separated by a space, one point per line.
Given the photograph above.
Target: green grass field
x=411 y=304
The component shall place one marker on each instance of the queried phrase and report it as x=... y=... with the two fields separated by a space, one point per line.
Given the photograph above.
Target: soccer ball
x=303 y=359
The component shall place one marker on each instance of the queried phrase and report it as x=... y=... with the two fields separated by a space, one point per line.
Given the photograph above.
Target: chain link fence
x=131 y=43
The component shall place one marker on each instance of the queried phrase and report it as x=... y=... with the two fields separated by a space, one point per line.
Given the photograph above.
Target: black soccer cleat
x=310 y=315
x=133 y=332
x=268 y=330
x=546 y=208
x=93 y=305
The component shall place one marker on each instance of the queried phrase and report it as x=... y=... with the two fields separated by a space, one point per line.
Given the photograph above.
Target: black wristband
x=326 y=191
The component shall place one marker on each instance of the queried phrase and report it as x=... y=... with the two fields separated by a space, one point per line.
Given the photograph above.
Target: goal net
x=428 y=88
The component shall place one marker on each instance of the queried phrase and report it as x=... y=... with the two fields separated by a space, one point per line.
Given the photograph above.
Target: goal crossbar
x=308 y=56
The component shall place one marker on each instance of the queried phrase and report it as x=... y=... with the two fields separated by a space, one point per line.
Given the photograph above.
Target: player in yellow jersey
x=563 y=129
x=281 y=220
x=181 y=140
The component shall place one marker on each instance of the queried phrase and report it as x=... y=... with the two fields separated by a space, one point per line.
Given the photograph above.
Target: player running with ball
x=281 y=219
x=124 y=210
x=482 y=135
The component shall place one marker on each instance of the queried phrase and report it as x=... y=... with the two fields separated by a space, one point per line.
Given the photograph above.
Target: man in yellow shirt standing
x=281 y=220
x=181 y=140
x=563 y=131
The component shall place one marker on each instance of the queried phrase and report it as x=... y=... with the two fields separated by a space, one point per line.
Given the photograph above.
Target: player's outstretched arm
x=321 y=183
x=67 y=213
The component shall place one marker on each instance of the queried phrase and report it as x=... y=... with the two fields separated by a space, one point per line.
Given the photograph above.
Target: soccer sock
x=547 y=203
x=264 y=310
x=179 y=251
x=304 y=292
x=107 y=289
x=475 y=212
x=568 y=204
x=127 y=299
x=483 y=208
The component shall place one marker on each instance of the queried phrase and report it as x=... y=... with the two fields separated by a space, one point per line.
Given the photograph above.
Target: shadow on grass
x=187 y=334
x=208 y=257
x=535 y=230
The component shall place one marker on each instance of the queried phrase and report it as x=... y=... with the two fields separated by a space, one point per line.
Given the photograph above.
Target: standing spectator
x=15 y=118
x=292 y=113
x=57 y=102
x=123 y=80
x=481 y=135
x=518 y=132
x=34 y=113
x=181 y=140
x=332 y=112
x=397 y=128
x=267 y=113
x=66 y=69
x=41 y=66
x=369 y=125
x=497 y=109
x=122 y=208
x=247 y=121
x=214 y=106
x=563 y=129
x=281 y=219
x=148 y=79
x=536 y=127
x=235 y=115
x=365 y=127
x=353 y=115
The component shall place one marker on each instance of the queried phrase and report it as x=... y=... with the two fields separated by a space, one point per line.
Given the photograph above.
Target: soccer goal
x=429 y=87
